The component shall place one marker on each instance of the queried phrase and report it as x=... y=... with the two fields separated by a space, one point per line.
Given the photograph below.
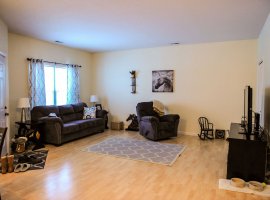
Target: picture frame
x=162 y=80
x=99 y=106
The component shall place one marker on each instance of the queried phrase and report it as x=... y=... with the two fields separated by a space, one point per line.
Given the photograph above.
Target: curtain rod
x=29 y=59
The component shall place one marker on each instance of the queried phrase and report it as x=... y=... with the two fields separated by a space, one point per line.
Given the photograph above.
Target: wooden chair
x=3 y=132
x=207 y=130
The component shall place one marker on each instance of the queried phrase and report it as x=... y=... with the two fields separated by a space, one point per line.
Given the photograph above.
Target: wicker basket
x=117 y=125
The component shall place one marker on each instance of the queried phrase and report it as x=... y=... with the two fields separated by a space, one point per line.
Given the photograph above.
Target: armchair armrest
x=101 y=113
x=169 y=117
x=210 y=125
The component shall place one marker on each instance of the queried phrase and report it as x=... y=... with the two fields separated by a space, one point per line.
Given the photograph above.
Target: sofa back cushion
x=67 y=113
x=71 y=112
x=42 y=111
x=78 y=109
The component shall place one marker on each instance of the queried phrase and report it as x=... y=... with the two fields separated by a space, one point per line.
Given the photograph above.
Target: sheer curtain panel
x=73 y=86
x=36 y=83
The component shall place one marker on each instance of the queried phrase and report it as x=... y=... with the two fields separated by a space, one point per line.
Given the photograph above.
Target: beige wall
x=263 y=55
x=209 y=80
x=21 y=47
x=3 y=38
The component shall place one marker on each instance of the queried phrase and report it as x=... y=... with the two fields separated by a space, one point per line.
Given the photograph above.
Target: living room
x=209 y=79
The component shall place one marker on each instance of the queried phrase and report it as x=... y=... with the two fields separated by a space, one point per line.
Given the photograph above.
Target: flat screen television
x=248 y=110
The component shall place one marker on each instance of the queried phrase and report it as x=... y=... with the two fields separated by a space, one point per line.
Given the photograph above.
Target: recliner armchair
x=153 y=126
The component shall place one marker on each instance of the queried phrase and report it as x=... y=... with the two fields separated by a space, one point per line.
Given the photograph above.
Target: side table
x=32 y=131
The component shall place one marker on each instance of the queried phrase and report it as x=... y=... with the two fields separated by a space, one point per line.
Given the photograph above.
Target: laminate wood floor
x=70 y=173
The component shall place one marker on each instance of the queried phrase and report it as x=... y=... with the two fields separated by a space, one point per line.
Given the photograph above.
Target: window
x=56 y=84
x=53 y=83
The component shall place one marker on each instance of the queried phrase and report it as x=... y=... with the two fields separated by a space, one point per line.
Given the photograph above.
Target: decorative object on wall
x=94 y=99
x=24 y=104
x=162 y=81
x=134 y=125
x=133 y=81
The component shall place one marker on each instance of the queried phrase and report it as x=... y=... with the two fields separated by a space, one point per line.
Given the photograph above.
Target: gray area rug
x=143 y=150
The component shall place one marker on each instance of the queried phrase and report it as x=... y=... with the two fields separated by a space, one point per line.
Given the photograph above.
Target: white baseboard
x=187 y=133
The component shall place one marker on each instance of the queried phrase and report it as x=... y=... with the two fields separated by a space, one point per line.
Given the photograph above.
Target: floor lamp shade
x=24 y=104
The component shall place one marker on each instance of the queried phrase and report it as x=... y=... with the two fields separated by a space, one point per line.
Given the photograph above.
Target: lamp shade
x=94 y=99
x=23 y=103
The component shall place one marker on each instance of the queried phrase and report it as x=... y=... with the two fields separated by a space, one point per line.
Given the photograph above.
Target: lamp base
x=23 y=115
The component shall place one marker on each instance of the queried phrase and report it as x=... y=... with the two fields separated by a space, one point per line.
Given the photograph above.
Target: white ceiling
x=107 y=25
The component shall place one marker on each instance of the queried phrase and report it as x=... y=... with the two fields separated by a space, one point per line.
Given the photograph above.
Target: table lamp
x=94 y=99
x=24 y=104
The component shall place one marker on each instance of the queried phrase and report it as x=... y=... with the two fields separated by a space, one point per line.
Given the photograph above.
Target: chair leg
x=202 y=135
x=210 y=136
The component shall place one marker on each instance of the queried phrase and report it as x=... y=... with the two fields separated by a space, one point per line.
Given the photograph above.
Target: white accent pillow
x=89 y=112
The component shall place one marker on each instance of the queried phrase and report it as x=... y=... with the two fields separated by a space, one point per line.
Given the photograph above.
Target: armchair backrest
x=145 y=109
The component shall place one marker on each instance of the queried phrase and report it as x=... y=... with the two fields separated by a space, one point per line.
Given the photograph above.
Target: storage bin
x=117 y=125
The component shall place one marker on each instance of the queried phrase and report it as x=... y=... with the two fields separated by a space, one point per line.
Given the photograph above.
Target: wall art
x=162 y=81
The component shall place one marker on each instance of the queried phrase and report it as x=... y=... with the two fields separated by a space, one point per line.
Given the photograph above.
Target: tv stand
x=246 y=155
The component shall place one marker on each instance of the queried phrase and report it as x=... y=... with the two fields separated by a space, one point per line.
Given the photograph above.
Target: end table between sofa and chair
x=31 y=130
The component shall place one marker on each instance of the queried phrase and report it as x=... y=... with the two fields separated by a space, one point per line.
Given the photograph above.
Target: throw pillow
x=89 y=112
x=159 y=108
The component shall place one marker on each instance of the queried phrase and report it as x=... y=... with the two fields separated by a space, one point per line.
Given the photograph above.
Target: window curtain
x=36 y=83
x=73 y=84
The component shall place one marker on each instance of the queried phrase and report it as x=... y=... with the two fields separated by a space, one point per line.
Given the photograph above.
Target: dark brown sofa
x=68 y=123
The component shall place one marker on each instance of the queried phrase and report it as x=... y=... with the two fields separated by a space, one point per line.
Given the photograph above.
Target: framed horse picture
x=162 y=81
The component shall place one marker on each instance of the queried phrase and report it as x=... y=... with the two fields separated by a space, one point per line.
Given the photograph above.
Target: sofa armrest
x=52 y=130
x=101 y=113
x=169 y=118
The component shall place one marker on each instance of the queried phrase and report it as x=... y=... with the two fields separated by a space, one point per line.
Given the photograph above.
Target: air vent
x=59 y=42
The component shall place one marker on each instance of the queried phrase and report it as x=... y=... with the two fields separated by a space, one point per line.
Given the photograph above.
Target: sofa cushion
x=67 y=113
x=88 y=123
x=70 y=127
x=66 y=109
x=78 y=107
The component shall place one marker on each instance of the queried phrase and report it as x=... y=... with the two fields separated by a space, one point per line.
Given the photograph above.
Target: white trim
x=186 y=133
x=7 y=139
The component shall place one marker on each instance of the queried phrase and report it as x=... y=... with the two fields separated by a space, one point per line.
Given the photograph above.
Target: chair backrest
x=3 y=132
x=204 y=124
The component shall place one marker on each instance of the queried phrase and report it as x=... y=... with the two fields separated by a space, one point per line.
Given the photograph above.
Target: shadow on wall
x=267 y=110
